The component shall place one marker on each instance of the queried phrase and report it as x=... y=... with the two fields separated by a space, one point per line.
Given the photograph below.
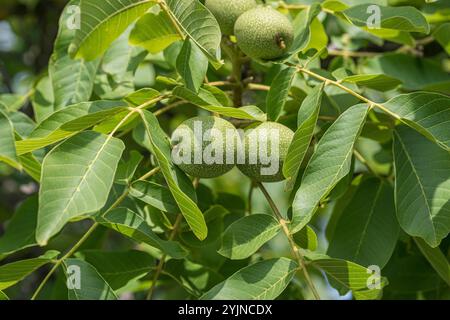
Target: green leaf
x=31 y=166
x=192 y=65
x=442 y=35
x=3 y=296
x=245 y=236
x=92 y=286
x=68 y=122
x=154 y=194
x=428 y=113
x=415 y=73
x=20 y=233
x=7 y=143
x=118 y=268
x=12 y=102
x=154 y=32
x=302 y=27
x=436 y=258
x=350 y=276
x=279 y=92
x=206 y=100
x=23 y=124
x=380 y=82
x=307 y=119
x=367 y=231
x=43 y=99
x=14 y=272
x=200 y=26
x=77 y=177
x=135 y=227
x=264 y=280
x=329 y=164
x=399 y=18
x=174 y=176
x=141 y=96
x=194 y=278
x=72 y=80
x=422 y=186
x=127 y=168
x=306 y=238
x=103 y=22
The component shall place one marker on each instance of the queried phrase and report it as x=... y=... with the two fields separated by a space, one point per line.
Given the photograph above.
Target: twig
x=296 y=253
x=162 y=261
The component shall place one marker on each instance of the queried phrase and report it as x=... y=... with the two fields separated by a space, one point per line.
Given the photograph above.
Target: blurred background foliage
x=27 y=32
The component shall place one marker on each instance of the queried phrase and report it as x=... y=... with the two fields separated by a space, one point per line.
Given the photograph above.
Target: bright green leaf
x=103 y=22
x=77 y=177
x=307 y=119
x=330 y=163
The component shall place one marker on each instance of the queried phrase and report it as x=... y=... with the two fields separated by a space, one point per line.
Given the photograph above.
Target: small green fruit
x=228 y=11
x=264 y=33
x=270 y=141
x=204 y=146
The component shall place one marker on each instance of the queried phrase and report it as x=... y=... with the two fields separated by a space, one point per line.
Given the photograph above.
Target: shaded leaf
x=14 y=272
x=192 y=65
x=20 y=233
x=92 y=286
x=7 y=142
x=118 y=268
x=400 y=18
x=428 y=113
x=206 y=100
x=436 y=258
x=135 y=227
x=351 y=276
x=264 y=280
x=245 y=236
x=307 y=119
x=379 y=82
x=422 y=186
x=367 y=231
x=155 y=195
x=279 y=92
x=306 y=238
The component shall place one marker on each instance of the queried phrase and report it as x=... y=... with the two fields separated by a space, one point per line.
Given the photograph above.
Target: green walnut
x=228 y=11
x=204 y=146
x=264 y=33
x=265 y=149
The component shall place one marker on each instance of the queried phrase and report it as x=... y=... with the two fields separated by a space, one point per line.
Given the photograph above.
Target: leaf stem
x=348 y=90
x=164 y=7
x=296 y=253
x=162 y=261
x=234 y=54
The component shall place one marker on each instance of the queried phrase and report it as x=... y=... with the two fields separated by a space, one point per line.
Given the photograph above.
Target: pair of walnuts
x=261 y=31
x=208 y=147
